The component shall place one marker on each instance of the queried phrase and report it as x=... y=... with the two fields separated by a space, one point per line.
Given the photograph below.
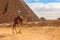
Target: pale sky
x=49 y=9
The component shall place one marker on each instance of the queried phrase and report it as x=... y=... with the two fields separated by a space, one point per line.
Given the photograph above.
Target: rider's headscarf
x=18 y=13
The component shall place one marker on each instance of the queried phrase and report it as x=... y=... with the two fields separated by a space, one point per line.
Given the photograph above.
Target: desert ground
x=31 y=33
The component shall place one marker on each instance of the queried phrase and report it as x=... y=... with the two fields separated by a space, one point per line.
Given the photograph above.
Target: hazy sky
x=50 y=9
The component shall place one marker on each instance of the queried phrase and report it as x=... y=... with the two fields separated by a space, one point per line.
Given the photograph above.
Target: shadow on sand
x=5 y=35
x=2 y=36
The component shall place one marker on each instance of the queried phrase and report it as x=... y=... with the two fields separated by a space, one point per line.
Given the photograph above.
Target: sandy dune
x=31 y=33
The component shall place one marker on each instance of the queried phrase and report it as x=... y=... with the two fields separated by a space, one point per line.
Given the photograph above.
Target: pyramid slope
x=9 y=8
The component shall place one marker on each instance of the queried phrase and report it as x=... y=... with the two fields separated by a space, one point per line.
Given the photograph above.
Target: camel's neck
x=26 y=17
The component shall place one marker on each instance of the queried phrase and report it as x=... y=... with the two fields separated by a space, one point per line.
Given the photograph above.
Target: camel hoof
x=13 y=32
x=19 y=32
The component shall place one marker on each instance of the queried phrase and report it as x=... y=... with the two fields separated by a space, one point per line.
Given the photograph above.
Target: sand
x=31 y=33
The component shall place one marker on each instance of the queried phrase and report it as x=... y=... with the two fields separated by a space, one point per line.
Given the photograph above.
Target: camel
x=19 y=21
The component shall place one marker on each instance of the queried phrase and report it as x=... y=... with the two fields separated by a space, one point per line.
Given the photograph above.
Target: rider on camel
x=17 y=19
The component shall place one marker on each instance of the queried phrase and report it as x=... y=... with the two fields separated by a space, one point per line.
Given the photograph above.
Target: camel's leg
x=14 y=28
x=20 y=29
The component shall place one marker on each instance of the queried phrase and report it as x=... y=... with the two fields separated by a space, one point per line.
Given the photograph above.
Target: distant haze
x=48 y=9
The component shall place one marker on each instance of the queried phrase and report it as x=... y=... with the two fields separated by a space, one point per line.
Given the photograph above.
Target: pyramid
x=9 y=9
